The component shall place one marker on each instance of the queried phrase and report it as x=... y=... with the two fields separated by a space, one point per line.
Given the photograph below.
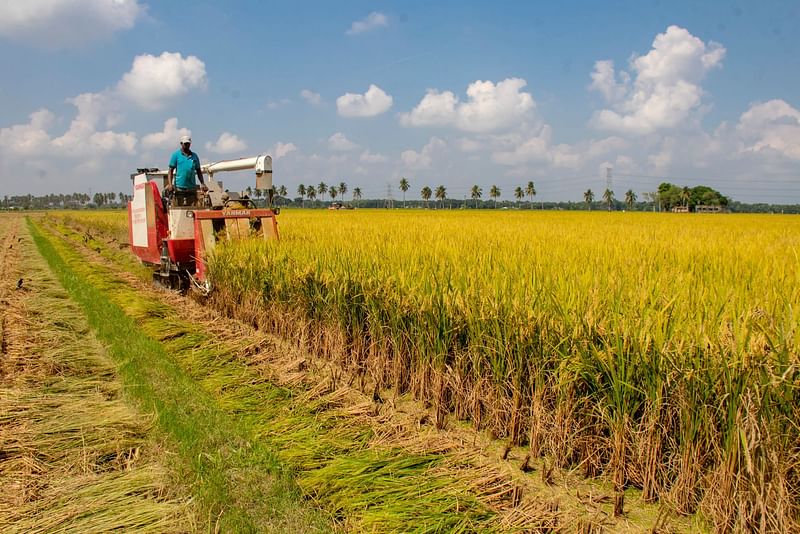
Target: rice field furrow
x=74 y=456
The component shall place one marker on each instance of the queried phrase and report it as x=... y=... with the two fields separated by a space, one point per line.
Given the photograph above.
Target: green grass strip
x=240 y=483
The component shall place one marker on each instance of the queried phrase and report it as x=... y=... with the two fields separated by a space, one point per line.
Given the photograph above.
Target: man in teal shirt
x=184 y=165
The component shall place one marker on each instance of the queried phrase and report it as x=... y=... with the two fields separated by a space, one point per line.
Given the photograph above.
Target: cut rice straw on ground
x=75 y=457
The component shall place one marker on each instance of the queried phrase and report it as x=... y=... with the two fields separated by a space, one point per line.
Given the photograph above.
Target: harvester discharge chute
x=174 y=232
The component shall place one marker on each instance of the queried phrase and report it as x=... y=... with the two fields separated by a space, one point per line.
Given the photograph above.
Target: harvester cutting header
x=174 y=230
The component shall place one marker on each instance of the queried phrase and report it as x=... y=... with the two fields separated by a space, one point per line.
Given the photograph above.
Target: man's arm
x=200 y=175
x=173 y=163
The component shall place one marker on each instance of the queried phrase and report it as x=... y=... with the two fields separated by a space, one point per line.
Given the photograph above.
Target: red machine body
x=177 y=239
x=155 y=221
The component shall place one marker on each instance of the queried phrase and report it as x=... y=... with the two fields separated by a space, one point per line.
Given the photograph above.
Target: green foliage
x=670 y=195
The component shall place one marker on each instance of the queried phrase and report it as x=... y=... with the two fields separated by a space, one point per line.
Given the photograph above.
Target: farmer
x=187 y=165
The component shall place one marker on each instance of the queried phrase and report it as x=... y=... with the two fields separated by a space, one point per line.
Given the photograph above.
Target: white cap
x=185 y=139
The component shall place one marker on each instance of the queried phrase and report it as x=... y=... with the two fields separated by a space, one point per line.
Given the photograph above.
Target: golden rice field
x=657 y=350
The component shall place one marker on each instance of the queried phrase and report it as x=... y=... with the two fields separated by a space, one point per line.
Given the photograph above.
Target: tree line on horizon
x=667 y=197
x=311 y=192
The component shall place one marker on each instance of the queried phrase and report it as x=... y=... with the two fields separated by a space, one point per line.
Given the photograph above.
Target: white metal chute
x=261 y=164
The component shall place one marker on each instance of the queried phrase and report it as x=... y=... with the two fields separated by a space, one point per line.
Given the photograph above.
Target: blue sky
x=452 y=93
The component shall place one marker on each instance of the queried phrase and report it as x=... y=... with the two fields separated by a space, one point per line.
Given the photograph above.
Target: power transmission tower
x=389 y=202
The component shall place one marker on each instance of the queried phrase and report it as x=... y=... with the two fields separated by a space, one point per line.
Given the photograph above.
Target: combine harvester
x=175 y=235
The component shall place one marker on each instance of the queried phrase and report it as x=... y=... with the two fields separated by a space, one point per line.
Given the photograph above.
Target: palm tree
x=426 y=194
x=686 y=195
x=333 y=192
x=404 y=185
x=311 y=193
x=588 y=197
x=494 y=192
x=519 y=193
x=630 y=198
x=342 y=189
x=475 y=193
x=356 y=194
x=530 y=190
x=301 y=190
x=322 y=188
x=282 y=191
x=249 y=191
x=441 y=194
x=608 y=197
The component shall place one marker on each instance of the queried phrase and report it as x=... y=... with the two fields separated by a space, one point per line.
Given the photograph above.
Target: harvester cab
x=174 y=233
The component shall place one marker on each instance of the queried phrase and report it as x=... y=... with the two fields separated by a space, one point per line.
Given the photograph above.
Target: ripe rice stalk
x=637 y=330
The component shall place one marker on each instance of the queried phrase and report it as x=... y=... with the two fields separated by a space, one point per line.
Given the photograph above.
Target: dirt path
x=74 y=457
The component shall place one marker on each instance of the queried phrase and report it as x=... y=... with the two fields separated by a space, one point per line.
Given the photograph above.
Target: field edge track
x=240 y=485
x=73 y=455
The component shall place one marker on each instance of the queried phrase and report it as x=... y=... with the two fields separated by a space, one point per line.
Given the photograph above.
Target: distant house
x=702 y=208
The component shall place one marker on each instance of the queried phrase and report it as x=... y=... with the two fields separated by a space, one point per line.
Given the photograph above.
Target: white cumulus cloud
x=166 y=138
x=277 y=104
x=227 y=143
x=59 y=23
x=424 y=158
x=533 y=148
x=374 y=102
x=154 y=80
x=35 y=159
x=369 y=157
x=340 y=142
x=612 y=85
x=488 y=107
x=30 y=138
x=469 y=145
x=84 y=137
x=95 y=109
x=538 y=148
x=663 y=88
x=315 y=99
x=280 y=149
x=90 y=137
x=435 y=109
x=81 y=139
x=613 y=144
x=772 y=126
x=371 y=22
